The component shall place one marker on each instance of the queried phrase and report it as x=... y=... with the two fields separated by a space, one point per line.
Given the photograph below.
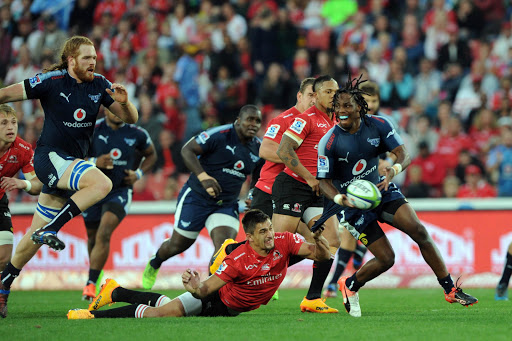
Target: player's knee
x=388 y=260
x=104 y=186
x=104 y=238
x=421 y=236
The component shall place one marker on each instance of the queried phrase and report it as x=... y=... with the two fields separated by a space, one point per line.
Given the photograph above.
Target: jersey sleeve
x=28 y=165
x=299 y=129
x=208 y=140
x=294 y=242
x=106 y=99
x=389 y=134
x=143 y=139
x=275 y=130
x=228 y=270
x=38 y=86
x=326 y=157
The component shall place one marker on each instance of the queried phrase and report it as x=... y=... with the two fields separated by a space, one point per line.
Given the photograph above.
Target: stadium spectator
x=456 y=50
x=210 y=196
x=416 y=187
x=396 y=91
x=466 y=159
x=230 y=291
x=81 y=17
x=452 y=142
x=116 y=8
x=117 y=149
x=71 y=185
x=427 y=85
x=423 y=131
x=450 y=186
x=500 y=162
x=183 y=26
x=469 y=20
x=475 y=186
x=484 y=130
x=48 y=40
x=433 y=170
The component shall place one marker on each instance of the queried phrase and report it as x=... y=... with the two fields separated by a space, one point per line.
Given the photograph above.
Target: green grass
x=388 y=314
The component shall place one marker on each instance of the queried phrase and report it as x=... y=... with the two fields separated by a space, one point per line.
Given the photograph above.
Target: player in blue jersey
x=349 y=151
x=220 y=160
x=71 y=95
x=117 y=149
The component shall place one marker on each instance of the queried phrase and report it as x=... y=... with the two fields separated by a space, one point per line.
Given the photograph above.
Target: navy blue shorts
x=49 y=166
x=117 y=201
x=193 y=213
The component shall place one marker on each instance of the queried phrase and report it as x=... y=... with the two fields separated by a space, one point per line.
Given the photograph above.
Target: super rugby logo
x=34 y=81
x=323 y=163
x=203 y=137
x=272 y=131
x=298 y=125
x=359 y=167
x=115 y=153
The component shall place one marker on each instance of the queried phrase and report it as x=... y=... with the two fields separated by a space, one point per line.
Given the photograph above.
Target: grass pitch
x=388 y=314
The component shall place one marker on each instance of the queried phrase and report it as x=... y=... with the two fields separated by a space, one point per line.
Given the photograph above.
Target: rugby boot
x=316 y=306
x=105 y=295
x=350 y=298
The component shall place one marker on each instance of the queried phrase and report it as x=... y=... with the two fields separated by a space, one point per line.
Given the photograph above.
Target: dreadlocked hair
x=351 y=87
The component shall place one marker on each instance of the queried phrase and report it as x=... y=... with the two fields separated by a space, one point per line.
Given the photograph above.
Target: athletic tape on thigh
x=192 y=305
x=186 y=234
x=6 y=237
x=220 y=219
x=47 y=213
x=310 y=213
x=80 y=168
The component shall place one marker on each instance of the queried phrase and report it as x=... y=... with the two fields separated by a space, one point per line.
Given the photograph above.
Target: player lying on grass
x=246 y=279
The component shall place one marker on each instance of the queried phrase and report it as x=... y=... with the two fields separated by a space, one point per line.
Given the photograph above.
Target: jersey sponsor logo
x=103 y=138
x=265 y=267
x=233 y=172
x=322 y=125
x=344 y=158
x=66 y=97
x=221 y=268
x=264 y=279
x=130 y=142
x=23 y=146
x=272 y=131
x=374 y=142
x=203 y=137
x=323 y=163
x=298 y=125
x=231 y=149
x=115 y=153
x=79 y=114
x=392 y=132
x=77 y=125
x=12 y=159
x=95 y=98
x=34 y=81
x=360 y=176
x=250 y=266
x=239 y=165
x=359 y=167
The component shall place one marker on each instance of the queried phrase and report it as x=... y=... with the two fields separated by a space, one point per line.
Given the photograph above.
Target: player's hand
x=119 y=93
x=130 y=178
x=314 y=184
x=383 y=164
x=191 y=280
x=345 y=201
x=105 y=161
x=210 y=184
x=389 y=172
x=8 y=184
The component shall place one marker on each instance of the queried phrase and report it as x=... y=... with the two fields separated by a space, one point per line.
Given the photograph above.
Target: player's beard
x=82 y=74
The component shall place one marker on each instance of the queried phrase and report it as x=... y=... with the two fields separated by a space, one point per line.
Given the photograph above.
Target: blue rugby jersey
x=345 y=157
x=122 y=145
x=70 y=109
x=227 y=160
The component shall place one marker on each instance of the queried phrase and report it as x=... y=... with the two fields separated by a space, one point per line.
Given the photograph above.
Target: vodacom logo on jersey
x=78 y=115
x=115 y=153
x=359 y=167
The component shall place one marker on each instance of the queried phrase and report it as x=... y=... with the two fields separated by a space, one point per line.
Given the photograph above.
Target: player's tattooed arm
x=286 y=151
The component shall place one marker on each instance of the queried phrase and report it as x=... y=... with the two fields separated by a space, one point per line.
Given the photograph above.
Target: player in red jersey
x=246 y=279
x=296 y=192
x=15 y=154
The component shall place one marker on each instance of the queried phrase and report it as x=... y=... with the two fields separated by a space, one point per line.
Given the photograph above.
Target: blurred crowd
x=443 y=68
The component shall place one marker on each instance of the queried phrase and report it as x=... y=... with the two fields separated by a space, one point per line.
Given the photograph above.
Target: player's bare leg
x=285 y=223
x=5 y=254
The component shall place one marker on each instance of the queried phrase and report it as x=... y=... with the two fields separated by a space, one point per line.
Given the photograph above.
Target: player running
x=220 y=160
x=247 y=278
x=117 y=149
x=349 y=151
x=71 y=95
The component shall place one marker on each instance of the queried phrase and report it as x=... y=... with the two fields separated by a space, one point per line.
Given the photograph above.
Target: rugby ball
x=363 y=194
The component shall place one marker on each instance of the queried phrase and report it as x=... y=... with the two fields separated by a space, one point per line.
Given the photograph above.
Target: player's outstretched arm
x=192 y=282
x=189 y=152
x=122 y=107
x=12 y=93
x=319 y=251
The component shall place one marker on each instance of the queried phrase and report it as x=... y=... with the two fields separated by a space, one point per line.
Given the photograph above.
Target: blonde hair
x=7 y=110
x=70 y=49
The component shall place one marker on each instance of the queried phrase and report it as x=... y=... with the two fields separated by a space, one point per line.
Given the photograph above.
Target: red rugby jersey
x=307 y=129
x=275 y=129
x=19 y=156
x=252 y=279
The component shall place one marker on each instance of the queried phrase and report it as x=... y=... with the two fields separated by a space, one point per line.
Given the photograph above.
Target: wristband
x=29 y=186
x=397 y=167
x=139 y=173
x=390 y=160
x=123 y=103
x=93 y=160
x=338 y=198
